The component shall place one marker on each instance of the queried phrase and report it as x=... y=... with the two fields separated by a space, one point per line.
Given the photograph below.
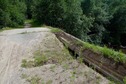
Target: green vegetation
x=118 y=56
x=12 y=13
x=80 y=59
x=34 y=80
x=24 y=63
x=95 y=21
x=40 y=60
x=24 y=76
x=49 y=82
x=33 y=23
x=110 y=53
x=55 y=30
x=5 y=28
x=73 y=76
x=52 y=68
x=27 y=64
x=124 y=80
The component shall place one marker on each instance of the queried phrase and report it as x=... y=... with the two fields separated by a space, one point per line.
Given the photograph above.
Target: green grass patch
x=28 y=21
x=110 y=53
x=24 y=76
x=40 y=60
x=27 y=64
x=34 y=80
x=49 y=82
x=55 y=30
x=33 y=23
x=6 y=28
x=124 y=80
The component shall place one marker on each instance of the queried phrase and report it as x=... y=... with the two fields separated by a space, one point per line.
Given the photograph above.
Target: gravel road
x=19 y=44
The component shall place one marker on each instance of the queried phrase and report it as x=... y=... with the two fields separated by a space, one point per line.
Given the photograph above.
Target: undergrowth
x=5 y=28
x=110 y=53
x=55 y=30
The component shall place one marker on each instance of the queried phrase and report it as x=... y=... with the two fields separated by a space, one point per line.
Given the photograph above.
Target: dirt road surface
x=19 y=44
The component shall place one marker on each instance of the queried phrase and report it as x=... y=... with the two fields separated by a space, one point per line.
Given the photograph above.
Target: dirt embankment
x=57 y=66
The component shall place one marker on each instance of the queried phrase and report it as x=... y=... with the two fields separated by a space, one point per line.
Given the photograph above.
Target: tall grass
x=110 y=53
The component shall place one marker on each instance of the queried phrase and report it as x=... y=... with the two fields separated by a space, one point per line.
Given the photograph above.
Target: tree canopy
x=12 y=13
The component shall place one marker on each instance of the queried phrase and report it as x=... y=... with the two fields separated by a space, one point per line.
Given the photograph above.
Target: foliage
x=34 y=80
x=117 y=56
x=110 y=53
x=117 y=27
x=97 y=10
x=124 y=80
x=40 y=60
x=27 y=64
x=65 y=14
x=55 y=30
x=11 y=13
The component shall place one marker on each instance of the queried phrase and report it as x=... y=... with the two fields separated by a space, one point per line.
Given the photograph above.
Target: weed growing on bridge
x=55 y=30
x=110 y=53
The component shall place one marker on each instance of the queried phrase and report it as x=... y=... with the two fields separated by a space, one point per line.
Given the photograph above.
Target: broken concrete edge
x=109 y=66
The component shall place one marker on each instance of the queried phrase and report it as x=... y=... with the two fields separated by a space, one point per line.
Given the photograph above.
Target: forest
x=100 y=22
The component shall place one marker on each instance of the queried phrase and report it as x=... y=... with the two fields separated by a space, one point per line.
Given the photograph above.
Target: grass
x=73 y=76
x=66 y=66
x=110 y=53
x=40 y=60
x=49 y=82
x=80 y=59
x=55 y=30
x=5 y=28
x=34 y=80
x=24 y=63
x=27 y=64
x=24 y=76
x=33 y=23
x=124 y=80
x=52 y=68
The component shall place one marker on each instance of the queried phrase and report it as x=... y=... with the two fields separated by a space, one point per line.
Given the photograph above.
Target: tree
x=98 y=11
x=11 y=13
x=4 y=16
x=49 y=12
x=30 y=5
x=65 y=14
x=75 y=22
x=117 y=27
